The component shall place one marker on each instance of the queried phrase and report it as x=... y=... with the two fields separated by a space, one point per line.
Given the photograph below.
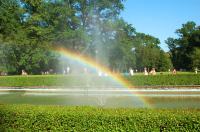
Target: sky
x=160 y=18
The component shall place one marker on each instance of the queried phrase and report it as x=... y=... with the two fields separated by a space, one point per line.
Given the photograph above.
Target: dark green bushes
x=61 y=118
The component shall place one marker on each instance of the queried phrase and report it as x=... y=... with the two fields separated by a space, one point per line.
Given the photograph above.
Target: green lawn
x=93 y=80
x=63 y=118
x=165 y=80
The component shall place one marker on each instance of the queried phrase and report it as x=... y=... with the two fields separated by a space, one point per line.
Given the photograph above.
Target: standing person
x=145 y=71
x=153 y=71
x=85 y=70
x=24 y=72
x=131 y=71
x=196 y=70
x=68 y=69
x=64 y=72
x=100 y=73
x=174 y=71
x=169 y=70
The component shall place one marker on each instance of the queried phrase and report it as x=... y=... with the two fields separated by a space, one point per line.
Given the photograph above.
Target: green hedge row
x=179 y=79
x=83 y=80
x=57 y=80
x=62 y=118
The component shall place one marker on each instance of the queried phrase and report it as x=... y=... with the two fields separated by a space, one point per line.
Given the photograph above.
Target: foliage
x=184 y=50
x=61 y=118
x=122 y=51
x=29 y=29
x=195 y=58
x=149 y=54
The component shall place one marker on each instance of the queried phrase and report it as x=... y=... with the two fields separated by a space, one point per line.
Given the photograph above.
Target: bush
x=62 y=118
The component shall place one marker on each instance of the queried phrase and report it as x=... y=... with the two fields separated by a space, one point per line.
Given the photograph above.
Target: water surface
x=137 y=98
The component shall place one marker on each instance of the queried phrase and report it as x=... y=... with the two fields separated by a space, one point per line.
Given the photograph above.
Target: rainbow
x=93 y=64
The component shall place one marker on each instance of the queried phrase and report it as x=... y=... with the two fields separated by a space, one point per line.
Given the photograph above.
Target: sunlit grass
x=139 y=79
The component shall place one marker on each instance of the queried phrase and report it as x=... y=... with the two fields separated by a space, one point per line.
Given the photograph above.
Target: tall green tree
x=29 y=29
x=10 y=19
x=25 y=36
x=184 y=49
x=122 y=50
x=149 y=54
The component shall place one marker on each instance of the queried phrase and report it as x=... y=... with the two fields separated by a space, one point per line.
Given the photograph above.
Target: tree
x=164 y=62
x=10 y=19
x=24 y=37
x=185 y=48
x=96 y=18
x=147 y=50
x=29 y=29
x=122 y=50
x=195 y=58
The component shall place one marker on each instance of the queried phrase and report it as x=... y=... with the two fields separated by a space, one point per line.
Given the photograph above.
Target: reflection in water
x=104 y=98
x=180 y=101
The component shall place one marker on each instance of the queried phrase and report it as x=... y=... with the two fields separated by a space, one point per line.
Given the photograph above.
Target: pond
x=135 y=98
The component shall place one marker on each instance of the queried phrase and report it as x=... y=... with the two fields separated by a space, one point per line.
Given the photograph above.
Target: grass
x=63 y=118
x=165 y=80
x=82 y=118
x=93 y=80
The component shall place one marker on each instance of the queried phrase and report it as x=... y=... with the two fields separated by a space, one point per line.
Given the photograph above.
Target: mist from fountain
x=94 y=81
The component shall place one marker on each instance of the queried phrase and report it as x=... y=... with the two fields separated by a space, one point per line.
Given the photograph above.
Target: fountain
x=93 y=83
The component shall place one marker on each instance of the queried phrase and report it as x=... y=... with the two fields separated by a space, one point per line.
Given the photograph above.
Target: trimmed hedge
x=162 y=80
x=83 y=80
x=56 y=80
x=62 y=118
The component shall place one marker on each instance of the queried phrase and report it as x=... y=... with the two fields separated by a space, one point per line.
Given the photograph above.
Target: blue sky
x=160 y=18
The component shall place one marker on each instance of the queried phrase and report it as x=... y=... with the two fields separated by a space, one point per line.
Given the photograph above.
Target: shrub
x=62 y=118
